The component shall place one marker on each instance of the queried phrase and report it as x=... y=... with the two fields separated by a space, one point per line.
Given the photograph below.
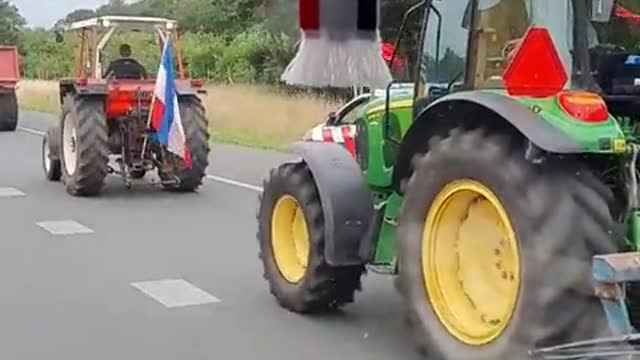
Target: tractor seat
x=126 y=69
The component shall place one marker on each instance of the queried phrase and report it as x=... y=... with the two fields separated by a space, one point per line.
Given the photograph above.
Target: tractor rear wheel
x=292 y=242
x=8 y=111
x=495 y=252
x=196 y=130
x=84 y=149
x=51 y=154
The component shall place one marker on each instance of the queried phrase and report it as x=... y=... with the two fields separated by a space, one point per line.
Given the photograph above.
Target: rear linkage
x=612 y=273
x=133 y=164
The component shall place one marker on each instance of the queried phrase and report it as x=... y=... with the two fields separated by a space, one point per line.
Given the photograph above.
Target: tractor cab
x=595 y=42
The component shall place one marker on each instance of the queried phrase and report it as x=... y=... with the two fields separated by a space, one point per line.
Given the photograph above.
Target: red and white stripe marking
x=344 y=135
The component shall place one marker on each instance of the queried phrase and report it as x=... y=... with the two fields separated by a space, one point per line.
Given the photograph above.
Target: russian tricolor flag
x=165 y=112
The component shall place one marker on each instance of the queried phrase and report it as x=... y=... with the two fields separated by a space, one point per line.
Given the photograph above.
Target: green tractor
x=487 y=199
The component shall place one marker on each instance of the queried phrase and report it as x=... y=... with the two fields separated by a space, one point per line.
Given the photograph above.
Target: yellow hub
x=290 y=239
x=471 y=262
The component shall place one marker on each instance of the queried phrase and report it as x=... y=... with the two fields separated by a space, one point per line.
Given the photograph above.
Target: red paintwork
x=584 y=106
x=535 y=69
x=626 y=14
x=9 y=66
x=121 y=94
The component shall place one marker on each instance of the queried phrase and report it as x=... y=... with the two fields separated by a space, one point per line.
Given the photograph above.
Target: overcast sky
x=46 y=12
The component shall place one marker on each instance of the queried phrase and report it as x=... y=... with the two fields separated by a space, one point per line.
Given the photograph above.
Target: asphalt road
x=77 y=297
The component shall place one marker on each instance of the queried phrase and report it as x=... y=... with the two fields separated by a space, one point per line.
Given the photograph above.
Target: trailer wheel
x=51 y=154
x=291 y=239
x=8 y=111
x=84 y=149
x=495 y=252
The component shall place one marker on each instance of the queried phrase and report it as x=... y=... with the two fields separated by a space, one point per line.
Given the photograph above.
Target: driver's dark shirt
x=126 y=68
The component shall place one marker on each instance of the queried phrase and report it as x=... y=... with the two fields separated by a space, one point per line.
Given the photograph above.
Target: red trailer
x=9 y=76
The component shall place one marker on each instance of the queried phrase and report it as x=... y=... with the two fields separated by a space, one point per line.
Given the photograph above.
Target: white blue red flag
x=165 y=112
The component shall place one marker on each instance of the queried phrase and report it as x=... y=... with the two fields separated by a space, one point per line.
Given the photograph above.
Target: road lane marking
x=8 y=192
x=31 y=131
x=219 y=179
x=174 y=293
x=64 y=227
x=234 y=183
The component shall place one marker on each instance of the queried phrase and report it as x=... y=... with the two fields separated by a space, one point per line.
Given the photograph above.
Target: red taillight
x=197 y=83
x=584 y=106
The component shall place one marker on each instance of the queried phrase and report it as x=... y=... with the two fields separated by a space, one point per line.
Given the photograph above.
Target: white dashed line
x=234 y=183
x=31 y=131
x=175 y=293
x=9 y=192
x=64 y=227
x=210 y=177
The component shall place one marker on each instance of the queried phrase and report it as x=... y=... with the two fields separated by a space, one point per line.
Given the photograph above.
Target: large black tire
x=8 y=111
x=561 y=217
x=87 y=116
x=51 y=154
x=196 y=128
x=322 y=286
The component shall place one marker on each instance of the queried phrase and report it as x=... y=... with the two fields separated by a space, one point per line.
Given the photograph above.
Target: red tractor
x=9 y=76
x=105 y=115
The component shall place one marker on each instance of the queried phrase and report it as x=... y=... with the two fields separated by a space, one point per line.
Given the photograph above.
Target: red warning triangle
x=535 y=69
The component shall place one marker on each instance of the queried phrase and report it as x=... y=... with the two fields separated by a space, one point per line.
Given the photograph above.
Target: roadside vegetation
x=240 y=47
x=250 y=115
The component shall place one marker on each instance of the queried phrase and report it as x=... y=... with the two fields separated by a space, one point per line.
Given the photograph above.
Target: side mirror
x=59 y=37
x=601 y=10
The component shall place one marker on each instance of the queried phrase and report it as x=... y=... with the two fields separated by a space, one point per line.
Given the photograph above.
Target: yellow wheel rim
x=471 y=262
x=290 y=239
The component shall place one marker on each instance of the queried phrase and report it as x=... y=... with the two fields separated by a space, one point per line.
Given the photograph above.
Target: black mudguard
x=532 y=125
x=451 y=110
x=347 y=204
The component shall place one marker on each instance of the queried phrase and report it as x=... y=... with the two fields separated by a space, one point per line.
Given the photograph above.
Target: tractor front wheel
x=196 y=130
x=8 y=111
x=84 y=149
x=51 y=154
x=291 y=236
x=495 y=252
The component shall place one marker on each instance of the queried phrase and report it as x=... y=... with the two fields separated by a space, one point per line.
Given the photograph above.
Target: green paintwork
x=633 y=234
x=385 y=248
x=378 y=174
x=602 y=138
x=588 y=136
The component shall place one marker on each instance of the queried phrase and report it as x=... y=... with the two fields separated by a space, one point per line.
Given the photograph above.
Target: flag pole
x=146 y=133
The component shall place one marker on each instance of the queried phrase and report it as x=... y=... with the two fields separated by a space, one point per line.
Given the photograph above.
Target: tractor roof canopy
x=96 y=33
x=132 y=23
x=475 y=41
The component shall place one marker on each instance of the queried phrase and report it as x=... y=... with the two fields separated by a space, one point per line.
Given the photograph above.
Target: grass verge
x=240 y=114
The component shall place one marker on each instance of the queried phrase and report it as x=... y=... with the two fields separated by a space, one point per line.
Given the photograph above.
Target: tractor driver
x=126 y=67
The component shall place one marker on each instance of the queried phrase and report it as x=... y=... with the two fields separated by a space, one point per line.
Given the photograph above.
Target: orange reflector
x=584 y=106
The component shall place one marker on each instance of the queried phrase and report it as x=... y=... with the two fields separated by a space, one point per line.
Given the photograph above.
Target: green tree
x=11 y=24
